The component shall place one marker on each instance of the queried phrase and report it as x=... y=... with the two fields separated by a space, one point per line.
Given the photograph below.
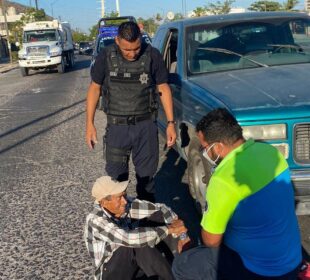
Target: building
x=14 y=12
x=307 y=5
x=4 y=52
x=237 y=10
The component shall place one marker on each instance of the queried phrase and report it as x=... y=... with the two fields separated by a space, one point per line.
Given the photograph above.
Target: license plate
x=38 y=61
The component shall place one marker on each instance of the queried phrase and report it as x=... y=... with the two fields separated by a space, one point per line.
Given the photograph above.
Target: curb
x=6 y=69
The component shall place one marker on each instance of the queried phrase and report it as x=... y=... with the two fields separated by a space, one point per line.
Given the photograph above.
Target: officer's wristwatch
x=171 y=122
x=183 y=236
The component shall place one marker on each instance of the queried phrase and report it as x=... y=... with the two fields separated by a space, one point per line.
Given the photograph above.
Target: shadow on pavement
x=174 y=193
x=41 y=118
x=40 y=131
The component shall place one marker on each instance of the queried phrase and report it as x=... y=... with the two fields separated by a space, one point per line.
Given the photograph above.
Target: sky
x=82 y=14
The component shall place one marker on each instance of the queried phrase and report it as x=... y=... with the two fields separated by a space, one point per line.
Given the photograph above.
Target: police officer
x=131 y=75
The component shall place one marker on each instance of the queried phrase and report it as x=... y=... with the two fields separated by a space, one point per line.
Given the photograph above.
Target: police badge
x=143 y=78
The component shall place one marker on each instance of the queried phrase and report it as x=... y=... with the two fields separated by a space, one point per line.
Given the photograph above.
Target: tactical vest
x=129 y=89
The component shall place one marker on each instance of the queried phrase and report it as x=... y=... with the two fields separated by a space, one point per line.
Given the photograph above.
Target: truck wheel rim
x=198 y=175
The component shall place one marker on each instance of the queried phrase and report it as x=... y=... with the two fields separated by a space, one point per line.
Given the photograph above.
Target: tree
x=289 y=5
x=149 y=25
x=93 y=31
x=31 y=15
x=199 y=11
x=79 y=36
x=112 y=14
x=219 y=7
x=214 y=8
x=178 y=16
x=158 y=17
x=261 y=6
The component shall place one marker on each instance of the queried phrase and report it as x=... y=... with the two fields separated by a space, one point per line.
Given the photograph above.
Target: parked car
x=85 y=48
x=254 y=64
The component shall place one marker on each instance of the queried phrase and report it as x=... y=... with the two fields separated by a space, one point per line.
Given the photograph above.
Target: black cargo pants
x=154 y=262
x=141 y=141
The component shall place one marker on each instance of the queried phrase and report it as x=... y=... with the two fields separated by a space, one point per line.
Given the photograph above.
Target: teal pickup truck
x=257 y=66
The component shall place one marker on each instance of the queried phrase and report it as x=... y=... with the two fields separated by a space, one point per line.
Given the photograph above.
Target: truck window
x=159 y=39
x=301 y=32
x=218 y=47
x=39 y=35
x=170 y=53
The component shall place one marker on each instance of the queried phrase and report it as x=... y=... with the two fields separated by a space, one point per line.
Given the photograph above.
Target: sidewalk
x=6 y=66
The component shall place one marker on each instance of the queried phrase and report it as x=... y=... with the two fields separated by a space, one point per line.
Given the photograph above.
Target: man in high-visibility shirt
x=249 y=227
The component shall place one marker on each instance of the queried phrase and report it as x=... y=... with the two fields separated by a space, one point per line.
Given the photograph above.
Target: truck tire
x=61 y=66
x=199 y=173
x=24 y=71
x=71 y=61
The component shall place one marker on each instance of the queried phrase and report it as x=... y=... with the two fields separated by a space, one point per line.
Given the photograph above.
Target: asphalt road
x=47 y=171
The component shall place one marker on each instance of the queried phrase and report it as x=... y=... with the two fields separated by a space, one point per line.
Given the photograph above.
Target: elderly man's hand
x=176 y=227
x=184 y=244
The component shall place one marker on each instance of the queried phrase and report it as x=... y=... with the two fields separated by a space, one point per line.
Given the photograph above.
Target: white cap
x=105 y=186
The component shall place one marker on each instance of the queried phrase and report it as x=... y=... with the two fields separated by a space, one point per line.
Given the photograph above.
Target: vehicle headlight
x=55 y=52
x=265 y=132
x=22 y=55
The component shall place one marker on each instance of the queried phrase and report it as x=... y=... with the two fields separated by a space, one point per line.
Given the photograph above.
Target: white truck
x=46 y=44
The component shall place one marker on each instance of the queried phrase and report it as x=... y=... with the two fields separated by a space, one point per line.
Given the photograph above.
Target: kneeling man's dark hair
x=220 y=126
x=129 y=30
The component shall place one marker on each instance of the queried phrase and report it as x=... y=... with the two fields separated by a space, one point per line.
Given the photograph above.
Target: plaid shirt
x=104 y=233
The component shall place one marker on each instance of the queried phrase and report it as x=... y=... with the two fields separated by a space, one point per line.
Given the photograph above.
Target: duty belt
x=128 y=120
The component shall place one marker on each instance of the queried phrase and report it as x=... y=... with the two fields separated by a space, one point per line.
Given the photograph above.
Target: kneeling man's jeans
x=204 y=263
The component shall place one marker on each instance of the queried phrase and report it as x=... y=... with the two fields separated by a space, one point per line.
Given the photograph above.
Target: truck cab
x=46 y=44
x=256 y=65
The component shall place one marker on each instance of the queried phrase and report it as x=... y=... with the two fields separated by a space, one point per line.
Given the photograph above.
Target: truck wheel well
x=184 y=135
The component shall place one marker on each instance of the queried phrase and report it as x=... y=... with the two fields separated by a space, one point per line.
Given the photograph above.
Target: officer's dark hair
x=129 y=30
x=220 y=126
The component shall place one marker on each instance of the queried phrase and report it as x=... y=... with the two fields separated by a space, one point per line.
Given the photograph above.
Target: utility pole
x=117 y=8
x=102 y=8
x=7 y=29
x=184 y=8
x=52 y=7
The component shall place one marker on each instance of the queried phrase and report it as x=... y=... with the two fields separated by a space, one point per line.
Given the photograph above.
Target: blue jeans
x=203 y=263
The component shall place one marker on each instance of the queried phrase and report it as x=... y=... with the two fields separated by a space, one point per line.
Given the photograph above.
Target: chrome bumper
x=301 y=181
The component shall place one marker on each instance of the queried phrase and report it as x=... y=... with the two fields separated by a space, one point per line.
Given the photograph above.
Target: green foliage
x=216 y=8
x=14 y=55
x=149 y=25
x=289 y=5
x=261 y=6
x=219 y=7
x=158 y=17
x=178 y=16
x=80 y=36
x=93 y=31
x=30 y=15
x=199 y=11
x=112 y=14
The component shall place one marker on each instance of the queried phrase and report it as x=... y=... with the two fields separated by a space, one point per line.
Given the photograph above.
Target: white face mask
x=206 y=156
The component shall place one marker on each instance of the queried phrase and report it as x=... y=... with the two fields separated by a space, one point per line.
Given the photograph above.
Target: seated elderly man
x=117 y=242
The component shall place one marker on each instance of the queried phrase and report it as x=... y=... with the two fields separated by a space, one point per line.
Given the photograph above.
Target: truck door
x=171 y=61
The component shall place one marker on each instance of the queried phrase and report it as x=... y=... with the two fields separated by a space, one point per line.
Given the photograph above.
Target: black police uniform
x=130 y=104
